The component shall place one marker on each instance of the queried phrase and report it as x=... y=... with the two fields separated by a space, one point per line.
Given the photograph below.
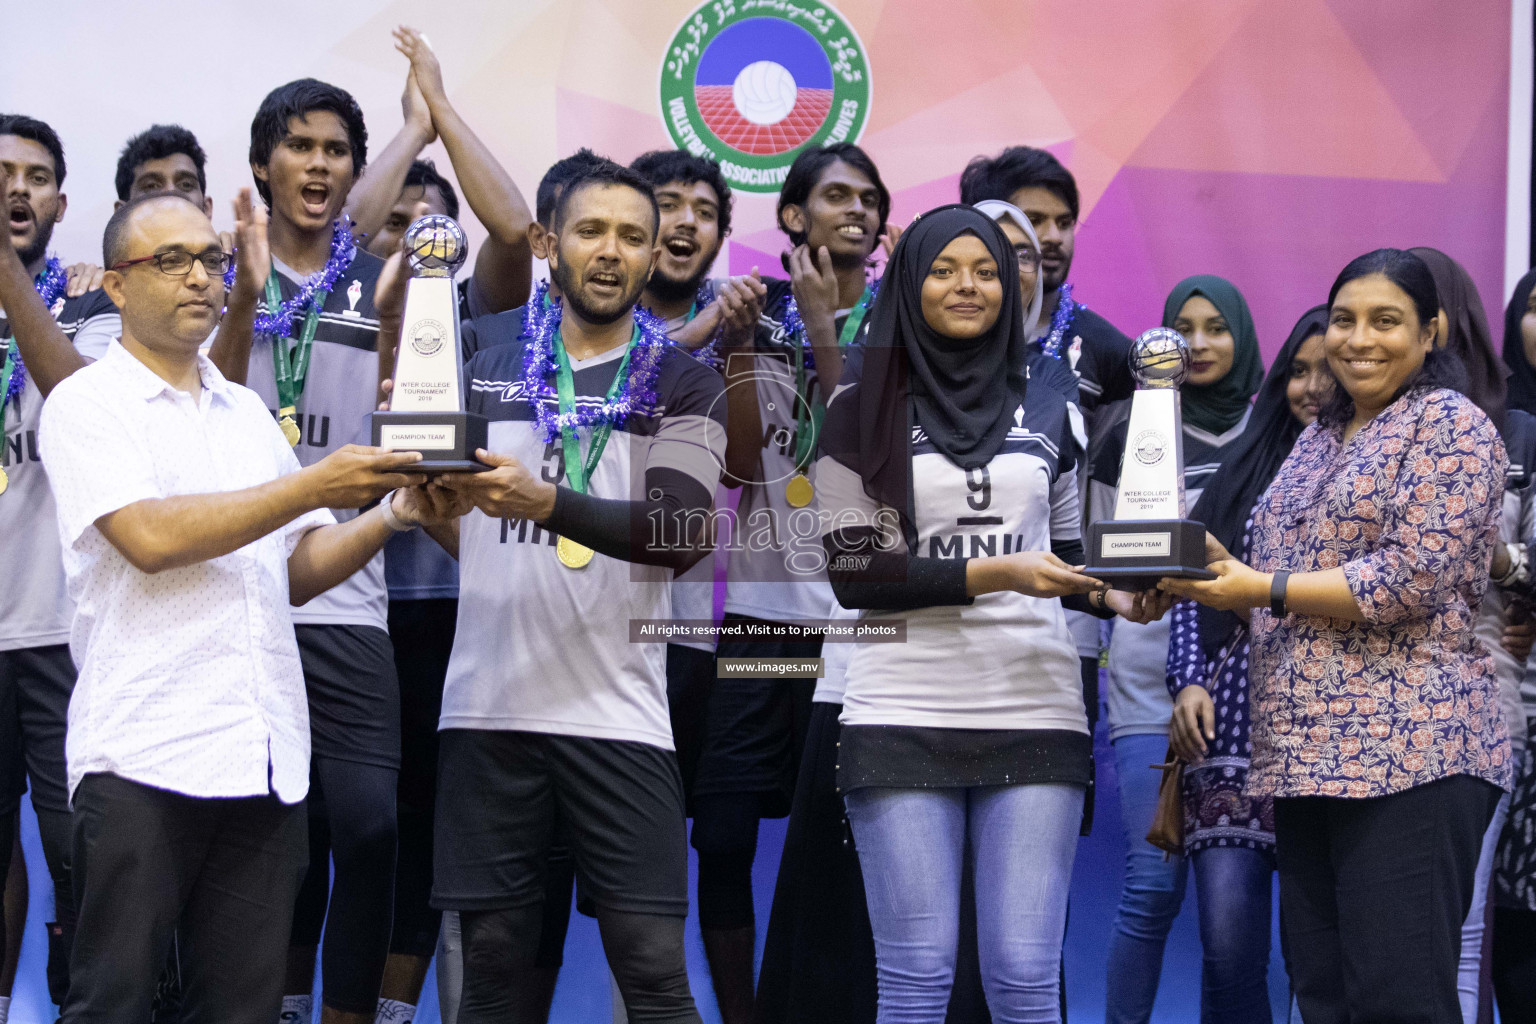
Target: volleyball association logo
x=753 y=82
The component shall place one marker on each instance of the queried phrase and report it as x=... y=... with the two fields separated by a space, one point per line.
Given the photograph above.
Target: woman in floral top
x=1376 y=723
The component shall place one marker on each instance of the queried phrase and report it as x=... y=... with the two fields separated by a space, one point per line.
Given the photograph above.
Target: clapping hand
x=253 y=256
x=741 y=303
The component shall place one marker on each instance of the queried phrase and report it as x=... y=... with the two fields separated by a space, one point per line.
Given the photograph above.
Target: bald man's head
x=159 y=308
x=115 y=237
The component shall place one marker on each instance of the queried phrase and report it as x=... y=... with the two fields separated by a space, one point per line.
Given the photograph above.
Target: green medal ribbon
x=808 y=413
x=6 y=372
x=291 y=366
x=578 y=471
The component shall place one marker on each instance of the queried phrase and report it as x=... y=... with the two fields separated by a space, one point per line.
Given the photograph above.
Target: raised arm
x=44 y=348
x=503 y=269
x=231 y=349
x=377 y=191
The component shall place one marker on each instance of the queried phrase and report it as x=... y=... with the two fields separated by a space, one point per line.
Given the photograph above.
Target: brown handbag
x=1167 y=832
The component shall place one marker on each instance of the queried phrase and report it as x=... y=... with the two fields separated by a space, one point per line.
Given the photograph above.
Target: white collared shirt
x=189 y=678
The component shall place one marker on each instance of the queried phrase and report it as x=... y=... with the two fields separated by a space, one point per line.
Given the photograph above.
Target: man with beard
x=37 y=675
x=313 y=360
x=1037 y=183
x=398 y=188
x=834 y=208
x=548 y=706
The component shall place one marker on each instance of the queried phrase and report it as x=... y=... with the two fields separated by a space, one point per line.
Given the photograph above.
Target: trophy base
x=1133 y=554
x=446 y=440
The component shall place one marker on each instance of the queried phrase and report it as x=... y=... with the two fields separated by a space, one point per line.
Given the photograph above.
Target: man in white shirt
x=188 y=528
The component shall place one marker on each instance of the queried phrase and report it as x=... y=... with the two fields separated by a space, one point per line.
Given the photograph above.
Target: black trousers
x=1373 y=894
x=220 y=874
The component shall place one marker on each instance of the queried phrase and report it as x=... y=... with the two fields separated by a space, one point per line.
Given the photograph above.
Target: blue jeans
x=1469 y=974
x=1234 y=887
x=1153 y=890
x=910 y=844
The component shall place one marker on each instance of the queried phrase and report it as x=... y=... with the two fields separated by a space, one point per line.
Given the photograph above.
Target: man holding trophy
x=603 y=448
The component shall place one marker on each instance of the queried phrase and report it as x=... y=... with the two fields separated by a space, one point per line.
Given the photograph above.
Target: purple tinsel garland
x=50 y=285
x=1066 y=309
x=636 y=393
x=279 y=323
x=794 y=326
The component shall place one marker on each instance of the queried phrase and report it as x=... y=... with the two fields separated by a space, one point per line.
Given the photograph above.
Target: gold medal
x=5 y=481
x=573 y=555
x=290 y=429
x=799 y=492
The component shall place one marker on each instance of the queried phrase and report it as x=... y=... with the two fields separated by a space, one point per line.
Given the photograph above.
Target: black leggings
x=1514 y=963
x=645 y=953
x=725 y=835
x=352 y=819
x=54 y=830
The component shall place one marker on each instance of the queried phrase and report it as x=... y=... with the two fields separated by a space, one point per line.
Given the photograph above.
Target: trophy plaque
x=1150 y=538
x=426 y=409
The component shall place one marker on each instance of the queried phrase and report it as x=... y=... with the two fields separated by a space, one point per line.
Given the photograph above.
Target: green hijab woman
x=1226 y=368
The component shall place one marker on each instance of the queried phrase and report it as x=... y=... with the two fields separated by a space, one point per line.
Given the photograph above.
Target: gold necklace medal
x=573 y=555
x=5 y=480
x=290 y=427
x=799 y=492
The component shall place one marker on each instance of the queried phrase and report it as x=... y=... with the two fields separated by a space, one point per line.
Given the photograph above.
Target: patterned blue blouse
x=1409 y=508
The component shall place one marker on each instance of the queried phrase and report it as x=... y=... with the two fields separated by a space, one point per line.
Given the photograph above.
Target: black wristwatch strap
x=1277 y=593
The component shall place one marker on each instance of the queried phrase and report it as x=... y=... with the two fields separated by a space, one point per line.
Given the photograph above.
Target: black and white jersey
x=1100 y=356
x=34 y=609
x=339 y=394
x=543 y=648
x=1004 y=661
x=768 y=575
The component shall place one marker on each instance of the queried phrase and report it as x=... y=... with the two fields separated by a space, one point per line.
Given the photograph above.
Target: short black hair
x=24 y=127
x=156 y=143
x=1442 y=368
x=999 y=177
x=805 y=173
x=424 y=174
x=605 y=174
x=560 y=174
x=113 y=238
x=664 y=166
x=298 y=99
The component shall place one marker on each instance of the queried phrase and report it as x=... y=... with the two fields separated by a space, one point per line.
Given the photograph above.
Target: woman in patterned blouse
x=1229 y=837
x=1376 y=721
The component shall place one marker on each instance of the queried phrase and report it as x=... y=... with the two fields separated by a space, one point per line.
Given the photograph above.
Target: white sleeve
x=1066 y=518
x=96 y=462
x=93 y=337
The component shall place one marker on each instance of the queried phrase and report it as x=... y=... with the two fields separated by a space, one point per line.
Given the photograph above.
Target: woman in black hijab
x=1522 y=375
x=1229 y=837
x=948 y=487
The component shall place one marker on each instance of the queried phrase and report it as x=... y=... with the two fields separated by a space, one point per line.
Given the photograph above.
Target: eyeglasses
x=178 y=262
x=1029 y=259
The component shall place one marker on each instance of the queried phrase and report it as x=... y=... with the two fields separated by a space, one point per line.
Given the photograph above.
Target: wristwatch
x=1277 y=593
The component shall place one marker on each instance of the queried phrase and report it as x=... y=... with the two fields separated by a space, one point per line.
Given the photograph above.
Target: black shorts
x=35 y=686
x=690 y=678
x=620 y=805
x=354 y=696
x=754 y=729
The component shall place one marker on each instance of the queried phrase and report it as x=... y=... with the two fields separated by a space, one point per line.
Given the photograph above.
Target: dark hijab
x=1217 y=408
x=1470 y=340
x=962 y=393
x=1249 y=464
x=1522 y=376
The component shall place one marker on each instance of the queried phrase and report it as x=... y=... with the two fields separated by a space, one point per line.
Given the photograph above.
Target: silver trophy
x=426 y=409
x=1150 y=538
